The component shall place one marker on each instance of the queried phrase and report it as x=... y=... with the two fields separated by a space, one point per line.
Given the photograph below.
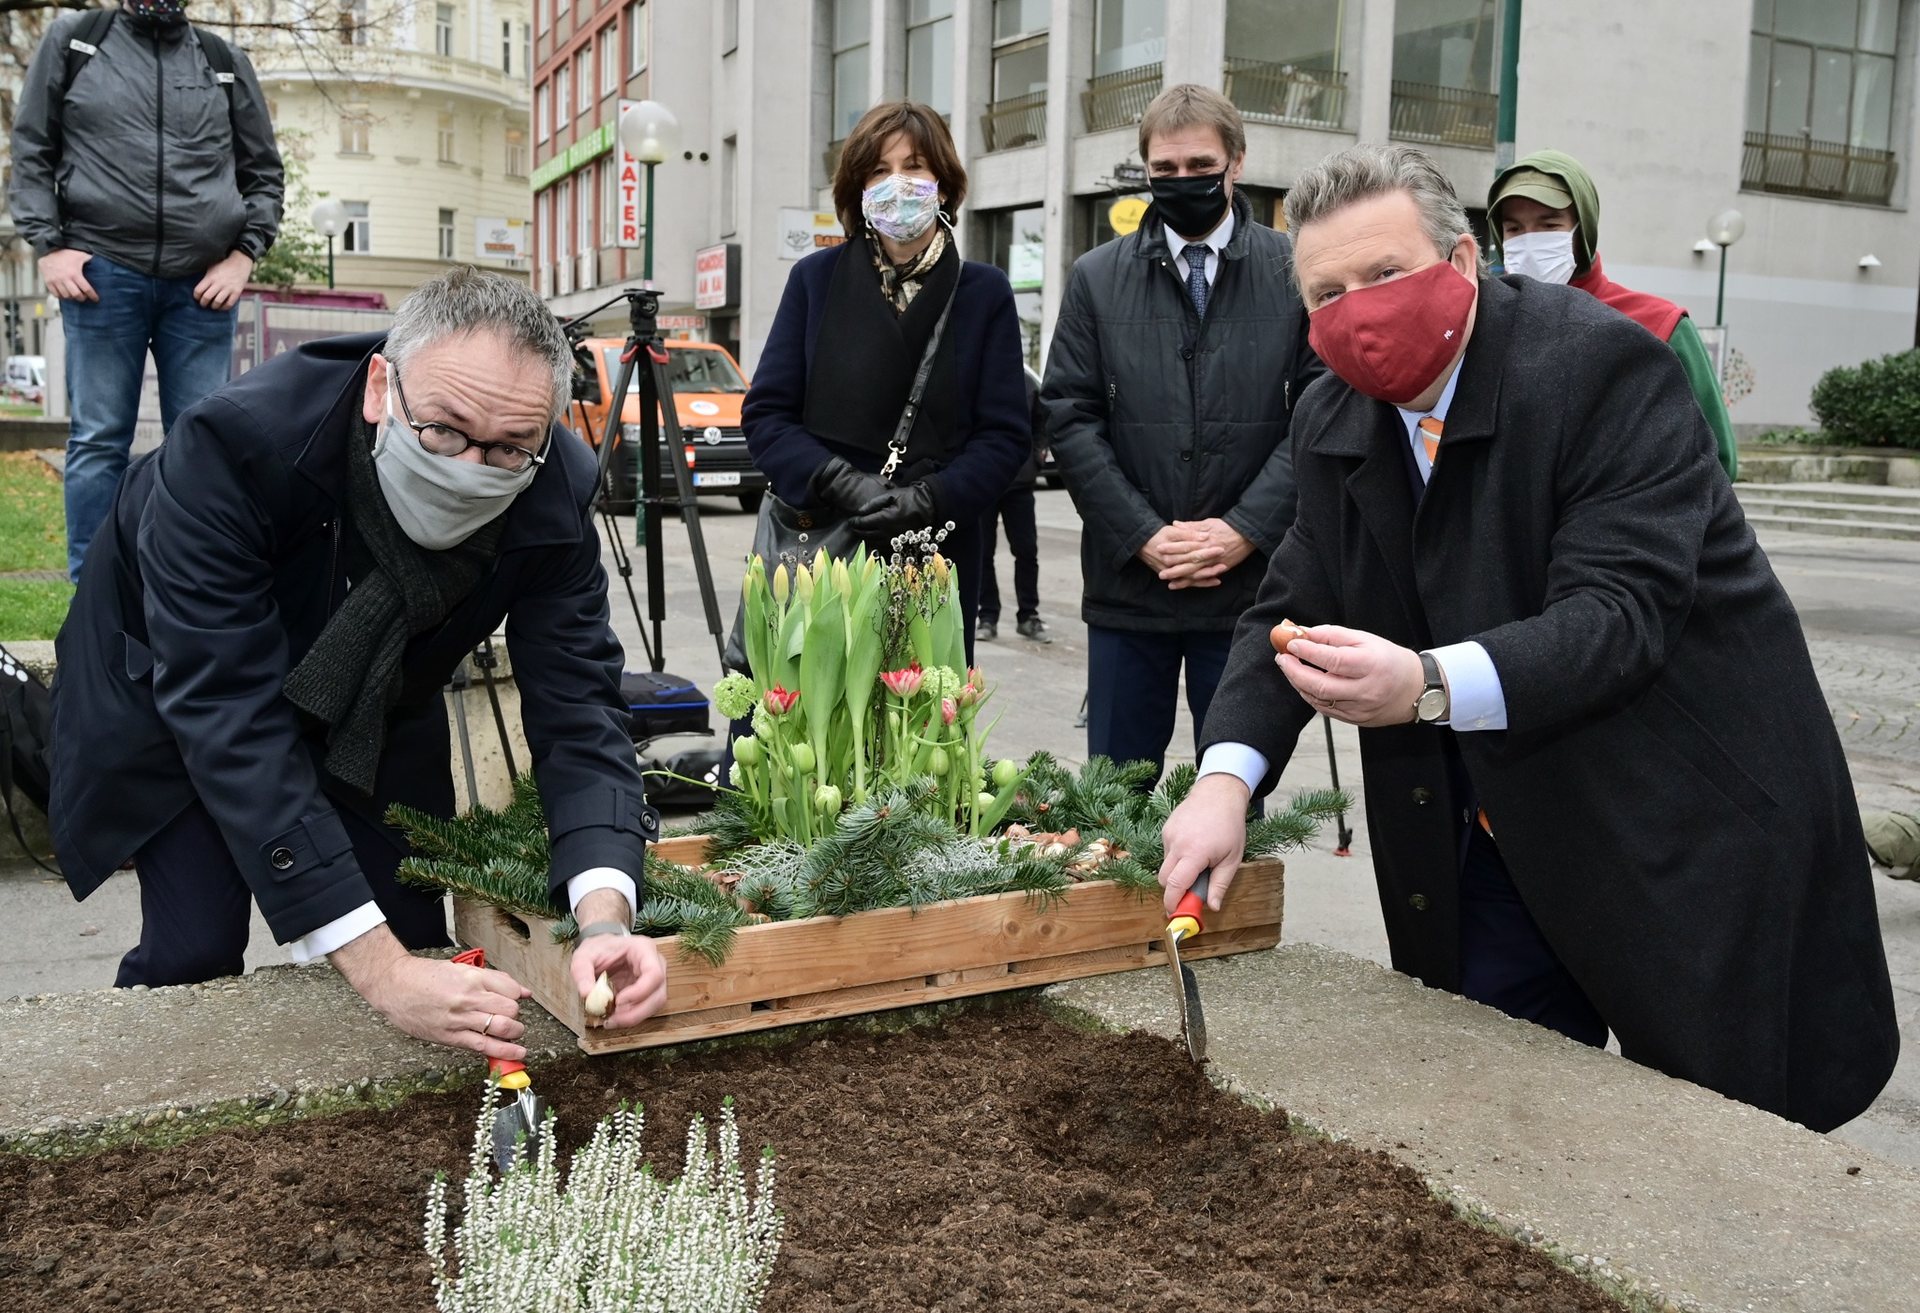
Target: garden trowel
x=517 y=1124
x=1186 y=923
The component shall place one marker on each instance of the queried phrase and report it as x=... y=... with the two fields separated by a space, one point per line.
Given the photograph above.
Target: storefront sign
x=1125 y=214
x=500 y=239
x=802 y=232
x=628 y=199
x=590 y=147
x=1027 y=265
x=716 y=276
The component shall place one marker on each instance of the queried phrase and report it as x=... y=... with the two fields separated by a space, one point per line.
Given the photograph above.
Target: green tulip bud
x=746 y=750
x=801 y=754
x=937 y=762
x=1005 y=772
x=983 y=802
x=827 y=799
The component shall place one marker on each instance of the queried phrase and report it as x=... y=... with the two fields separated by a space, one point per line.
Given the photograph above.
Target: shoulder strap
x=84 y=41
x=220 y=58
x=897 y=448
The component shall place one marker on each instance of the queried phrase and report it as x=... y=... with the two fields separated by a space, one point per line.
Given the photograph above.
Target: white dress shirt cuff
x=1249 y=765
x=1475 y=699
x=337 y=933
x=602 y=877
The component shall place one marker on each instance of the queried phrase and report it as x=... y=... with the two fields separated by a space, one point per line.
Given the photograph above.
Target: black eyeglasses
x=445 y=440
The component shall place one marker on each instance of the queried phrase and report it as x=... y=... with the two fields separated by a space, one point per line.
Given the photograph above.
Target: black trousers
x=1023 y=539
x=195 y=907
x=1133 y=680
x=1505 y=962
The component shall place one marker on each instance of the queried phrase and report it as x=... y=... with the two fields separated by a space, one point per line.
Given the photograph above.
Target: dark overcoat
x=218 y=568
x=1670 y=794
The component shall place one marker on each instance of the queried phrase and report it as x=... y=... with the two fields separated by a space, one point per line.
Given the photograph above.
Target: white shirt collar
x=1412 y=418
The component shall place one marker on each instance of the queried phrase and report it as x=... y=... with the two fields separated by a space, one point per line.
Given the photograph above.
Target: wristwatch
x=1432 y=705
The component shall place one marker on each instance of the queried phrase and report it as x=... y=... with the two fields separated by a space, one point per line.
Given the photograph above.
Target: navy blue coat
x=992 y=420
x=218 y=568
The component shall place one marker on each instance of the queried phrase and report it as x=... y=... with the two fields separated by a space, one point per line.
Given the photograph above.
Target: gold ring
x=489 y=1026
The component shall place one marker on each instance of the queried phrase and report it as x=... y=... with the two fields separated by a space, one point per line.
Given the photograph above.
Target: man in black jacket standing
x=251 y=670
x=146 y=178
x=1179 y=353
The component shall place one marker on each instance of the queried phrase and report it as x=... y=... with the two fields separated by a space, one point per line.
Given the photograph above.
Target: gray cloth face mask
x=439 y=501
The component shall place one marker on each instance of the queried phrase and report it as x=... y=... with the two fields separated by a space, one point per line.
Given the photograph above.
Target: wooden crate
x=785 y=972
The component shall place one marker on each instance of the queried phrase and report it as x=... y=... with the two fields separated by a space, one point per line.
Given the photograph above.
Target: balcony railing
x=1829 y=170
x=1282 y=93
x=1114 y=100
x=1443 y=116
x=1018 y=121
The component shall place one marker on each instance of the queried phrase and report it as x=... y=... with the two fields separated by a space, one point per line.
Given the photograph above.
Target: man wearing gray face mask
x=250 y=675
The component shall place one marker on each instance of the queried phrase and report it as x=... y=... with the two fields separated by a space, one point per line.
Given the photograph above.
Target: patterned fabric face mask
x=160 y=13
x=901 y=207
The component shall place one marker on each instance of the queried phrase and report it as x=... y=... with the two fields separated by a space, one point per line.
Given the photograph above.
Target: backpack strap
x=220 y=57
x=84 y=42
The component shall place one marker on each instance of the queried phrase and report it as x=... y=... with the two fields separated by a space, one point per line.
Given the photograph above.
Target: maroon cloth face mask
x=1391 y=340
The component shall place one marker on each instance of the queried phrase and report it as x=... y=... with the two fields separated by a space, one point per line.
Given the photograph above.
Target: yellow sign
x=1124 y=215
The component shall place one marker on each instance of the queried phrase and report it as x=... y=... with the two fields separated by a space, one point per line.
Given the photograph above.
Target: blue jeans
x=107 y=344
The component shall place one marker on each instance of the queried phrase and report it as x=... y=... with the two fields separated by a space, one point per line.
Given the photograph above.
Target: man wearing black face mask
x=1179 y=354
x=146 y=178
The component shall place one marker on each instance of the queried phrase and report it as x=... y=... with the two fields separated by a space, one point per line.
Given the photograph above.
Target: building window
x=516 y=153
x=540 y=126
x=609 y=61
x=1283 y=61
x=729 y=185
x=583 y=77
x=729 y=26
x=443 y=29
x=353 y=22
x=1820 y=99
x=930 y=53
x=355 y=132
x=447 y=155
x=852 y=26
x=609 y=201
x=446 y=234
x=586 y=211
x=526 y=51
x=636 y=21
x=1015 y=242
x=358 y=237
x=1443 y=76
x=540 y=18
x=1128 y=35
x=562 y=220
x=1018 y=114
x=506 y=48
x=562 y=97
x=542 y=233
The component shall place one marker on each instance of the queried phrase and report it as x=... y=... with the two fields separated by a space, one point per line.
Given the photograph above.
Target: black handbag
x=795 y=535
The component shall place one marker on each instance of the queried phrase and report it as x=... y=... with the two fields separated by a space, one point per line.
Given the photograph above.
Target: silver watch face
x=1431 y=706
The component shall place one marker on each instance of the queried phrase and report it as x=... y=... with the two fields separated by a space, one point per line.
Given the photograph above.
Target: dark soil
x=997 y=1160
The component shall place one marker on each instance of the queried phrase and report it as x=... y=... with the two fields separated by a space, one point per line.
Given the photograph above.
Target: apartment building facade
x=1797 y=113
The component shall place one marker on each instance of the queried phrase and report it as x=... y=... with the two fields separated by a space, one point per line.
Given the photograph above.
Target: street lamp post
x=329 y=217
x=1723 y=230
x=650 y=133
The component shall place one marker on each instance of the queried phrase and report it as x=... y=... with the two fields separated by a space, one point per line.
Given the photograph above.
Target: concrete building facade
x=1797 y=113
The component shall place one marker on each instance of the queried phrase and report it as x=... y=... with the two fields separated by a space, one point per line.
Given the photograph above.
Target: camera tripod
x=645 y=359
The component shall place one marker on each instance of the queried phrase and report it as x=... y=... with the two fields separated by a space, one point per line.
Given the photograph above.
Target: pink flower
x=948 y=710
x=903 y=683
x=780 y=701
x=969 y=694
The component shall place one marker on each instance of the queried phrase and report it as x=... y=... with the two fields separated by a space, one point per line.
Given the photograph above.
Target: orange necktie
x=1430 y=430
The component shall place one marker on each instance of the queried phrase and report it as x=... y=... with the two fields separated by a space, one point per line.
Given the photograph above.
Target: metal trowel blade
x=517 y=1128
x=1193 y=1018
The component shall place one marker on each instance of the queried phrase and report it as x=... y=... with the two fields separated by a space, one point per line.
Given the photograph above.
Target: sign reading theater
x=627 y=199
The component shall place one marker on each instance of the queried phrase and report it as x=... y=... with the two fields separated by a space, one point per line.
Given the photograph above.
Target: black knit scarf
x=350 y=678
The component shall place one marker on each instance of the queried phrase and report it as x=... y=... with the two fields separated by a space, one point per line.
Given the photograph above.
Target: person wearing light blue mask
x=1543 y=215
x=252 y=666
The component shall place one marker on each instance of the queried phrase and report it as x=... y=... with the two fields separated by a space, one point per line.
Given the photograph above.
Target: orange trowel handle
x=497 y=1067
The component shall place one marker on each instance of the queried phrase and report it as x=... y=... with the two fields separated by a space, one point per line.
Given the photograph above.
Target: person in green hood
x=1543 y=214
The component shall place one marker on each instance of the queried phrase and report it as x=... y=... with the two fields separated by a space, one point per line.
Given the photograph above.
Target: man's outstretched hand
x=1208 y=831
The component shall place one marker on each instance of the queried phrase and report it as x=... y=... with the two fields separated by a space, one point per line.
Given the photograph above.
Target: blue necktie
x=1195 y=254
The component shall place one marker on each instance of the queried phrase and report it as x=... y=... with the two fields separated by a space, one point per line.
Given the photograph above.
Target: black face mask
x=1191 y=207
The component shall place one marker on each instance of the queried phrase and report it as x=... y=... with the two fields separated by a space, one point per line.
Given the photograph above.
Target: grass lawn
x=33 y=536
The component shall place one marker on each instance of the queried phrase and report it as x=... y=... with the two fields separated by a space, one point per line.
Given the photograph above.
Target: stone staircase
x=1836 y=509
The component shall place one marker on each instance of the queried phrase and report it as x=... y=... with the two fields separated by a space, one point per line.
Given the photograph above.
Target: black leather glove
x=896 y=510
x=839 y=485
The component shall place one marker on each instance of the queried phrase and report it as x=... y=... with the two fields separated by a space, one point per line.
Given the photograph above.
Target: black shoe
x=1033 y=627
x=985 y=631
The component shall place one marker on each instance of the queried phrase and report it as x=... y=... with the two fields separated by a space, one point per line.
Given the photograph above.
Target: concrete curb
x=1675 y=1190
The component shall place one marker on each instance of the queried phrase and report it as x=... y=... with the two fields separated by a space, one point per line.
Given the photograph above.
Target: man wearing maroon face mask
x=1603 y=787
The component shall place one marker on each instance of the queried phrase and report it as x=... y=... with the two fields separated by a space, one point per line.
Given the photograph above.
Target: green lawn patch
x=33 y=536
x=32 y=610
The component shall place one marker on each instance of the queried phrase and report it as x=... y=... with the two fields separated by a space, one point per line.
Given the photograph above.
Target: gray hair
x=469 y=300
x=1362 y=172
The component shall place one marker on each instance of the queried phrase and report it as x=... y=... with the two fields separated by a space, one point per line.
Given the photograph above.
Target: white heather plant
x=614 y=1238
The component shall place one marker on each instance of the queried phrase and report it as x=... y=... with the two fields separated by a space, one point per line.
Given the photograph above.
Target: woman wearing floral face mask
x=827 y=418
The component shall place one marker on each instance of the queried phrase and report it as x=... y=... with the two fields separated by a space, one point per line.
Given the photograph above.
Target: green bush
x=1875 y=404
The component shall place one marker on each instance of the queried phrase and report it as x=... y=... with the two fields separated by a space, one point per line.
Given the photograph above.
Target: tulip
x=778 y=700
x=949 y=711
x=801 y=755
x=937 y=761
x=826 y=798
x=781 y=584
x=1005 y=772
x=968 y=695
x=983 y=801
x=903 y=683
x=746 y=750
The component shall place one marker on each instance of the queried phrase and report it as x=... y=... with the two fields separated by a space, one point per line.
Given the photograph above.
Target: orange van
x=708 y=388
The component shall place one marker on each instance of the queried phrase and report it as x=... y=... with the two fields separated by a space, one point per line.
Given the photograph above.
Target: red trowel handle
x=496 y=1067
x=1192 y=907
